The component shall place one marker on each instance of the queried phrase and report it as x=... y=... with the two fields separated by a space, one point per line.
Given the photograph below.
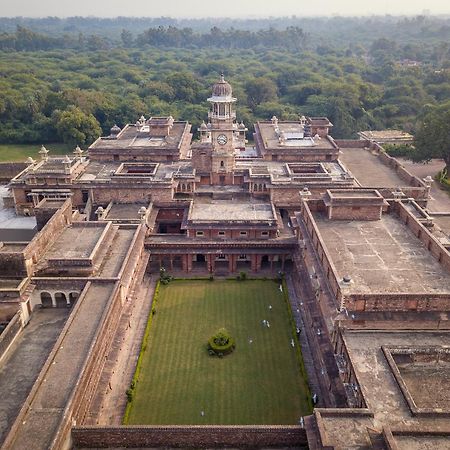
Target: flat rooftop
x=41 y=420
x=24 y=361
x=106 y=170
x=76 y=241
x=386 y=135
x=12 y=226
x=125 y=211
x=292 y=136
x=208 y=210
x=131 y=138
x=381 y=256
x=367 y=167
x=422 y=442
x=380 y=389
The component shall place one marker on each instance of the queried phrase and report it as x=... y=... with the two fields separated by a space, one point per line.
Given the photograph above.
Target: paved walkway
x=319 y=318
x=440 y=198
x=108 y=406
x=308 y=359
x=24 y=361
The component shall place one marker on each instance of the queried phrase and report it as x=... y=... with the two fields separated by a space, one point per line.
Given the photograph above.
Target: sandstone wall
x=189 y=436
x=9 y=170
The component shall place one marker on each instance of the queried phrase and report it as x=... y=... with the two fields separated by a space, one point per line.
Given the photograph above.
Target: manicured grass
x=259 y=383
x=20 y=152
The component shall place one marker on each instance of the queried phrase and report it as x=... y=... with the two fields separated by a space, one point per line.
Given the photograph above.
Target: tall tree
x=432 y=139
x=77 y=128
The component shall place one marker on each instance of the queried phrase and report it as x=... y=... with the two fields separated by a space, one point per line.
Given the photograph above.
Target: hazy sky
x=215 y=8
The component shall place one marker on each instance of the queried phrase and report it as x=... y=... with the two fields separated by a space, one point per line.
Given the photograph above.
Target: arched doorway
x=73 y=297
x=61 y=300
x=46 y=300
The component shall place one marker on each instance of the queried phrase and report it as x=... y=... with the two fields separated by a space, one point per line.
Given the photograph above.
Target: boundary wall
x=195 y=436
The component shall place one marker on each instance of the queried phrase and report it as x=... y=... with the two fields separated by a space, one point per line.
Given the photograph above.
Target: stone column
x=189 y=262
x=53 y=299
x=254 y=263
x=212 y=263
x=184 y=262
x=231 y=263
x=171 y=262
x=258 y=262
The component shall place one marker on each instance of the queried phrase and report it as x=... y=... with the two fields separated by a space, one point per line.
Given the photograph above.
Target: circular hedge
x=221 y=343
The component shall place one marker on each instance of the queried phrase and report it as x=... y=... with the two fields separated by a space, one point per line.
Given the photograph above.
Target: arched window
x=222 y=164
x=46 y=300
x=73 y=297
x=61 y=300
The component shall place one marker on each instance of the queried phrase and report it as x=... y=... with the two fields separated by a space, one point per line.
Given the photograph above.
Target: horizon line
x=236 y=18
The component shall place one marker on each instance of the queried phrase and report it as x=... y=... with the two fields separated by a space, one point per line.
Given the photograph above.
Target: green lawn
x=259 y=383
x=20 y=152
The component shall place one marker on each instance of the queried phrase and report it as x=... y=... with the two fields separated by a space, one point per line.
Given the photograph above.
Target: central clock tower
x=222 y=130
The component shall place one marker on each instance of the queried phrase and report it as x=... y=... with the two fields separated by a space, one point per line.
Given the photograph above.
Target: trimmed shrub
x=242 y=276
x=221 y=343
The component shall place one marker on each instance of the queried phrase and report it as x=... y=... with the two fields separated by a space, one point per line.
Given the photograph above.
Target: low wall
x=189 y=436
x=48 y=234
x=422 y=233
x=352 y=143
x=9 y=170
x=406 y=176
x=411 y=301
x=397 y=302
x=9 y=334
x=327 y=264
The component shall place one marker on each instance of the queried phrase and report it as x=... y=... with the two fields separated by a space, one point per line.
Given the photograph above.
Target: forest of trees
x=60 y=82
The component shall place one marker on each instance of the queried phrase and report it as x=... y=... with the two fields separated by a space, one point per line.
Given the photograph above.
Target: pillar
x=189 y=262
x=53 y=299
x=171 y=262
x=231 y=267
x=271 y=263
x=212 y=263
x=254 y=263
x=258 y=262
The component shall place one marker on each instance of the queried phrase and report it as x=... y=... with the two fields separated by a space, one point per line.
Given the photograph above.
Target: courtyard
x=261 y=382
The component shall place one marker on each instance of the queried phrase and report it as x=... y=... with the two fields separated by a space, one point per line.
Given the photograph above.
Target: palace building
x=366 y=259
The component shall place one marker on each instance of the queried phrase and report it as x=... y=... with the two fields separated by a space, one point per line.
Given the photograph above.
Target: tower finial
x=222 y=77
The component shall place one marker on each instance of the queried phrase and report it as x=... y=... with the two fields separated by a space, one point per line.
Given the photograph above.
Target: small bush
x=398 y=150
x=130 y=394
x=242 y=276
x=221 y=343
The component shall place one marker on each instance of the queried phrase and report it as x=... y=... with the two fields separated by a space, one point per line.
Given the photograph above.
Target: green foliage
x=75 y=127
x=178 y=378
x=242 y=276
x=398 y=150
x=221 y=343
x=134 y=382
x=354 y=73
x=164 y=277
x=432 y=139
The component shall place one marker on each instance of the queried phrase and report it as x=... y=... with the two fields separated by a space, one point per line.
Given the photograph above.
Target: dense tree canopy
x=60 y=82
x=75 y=127
x=432 y=139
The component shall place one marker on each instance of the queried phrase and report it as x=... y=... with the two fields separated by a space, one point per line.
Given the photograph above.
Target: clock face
x=222 y=139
